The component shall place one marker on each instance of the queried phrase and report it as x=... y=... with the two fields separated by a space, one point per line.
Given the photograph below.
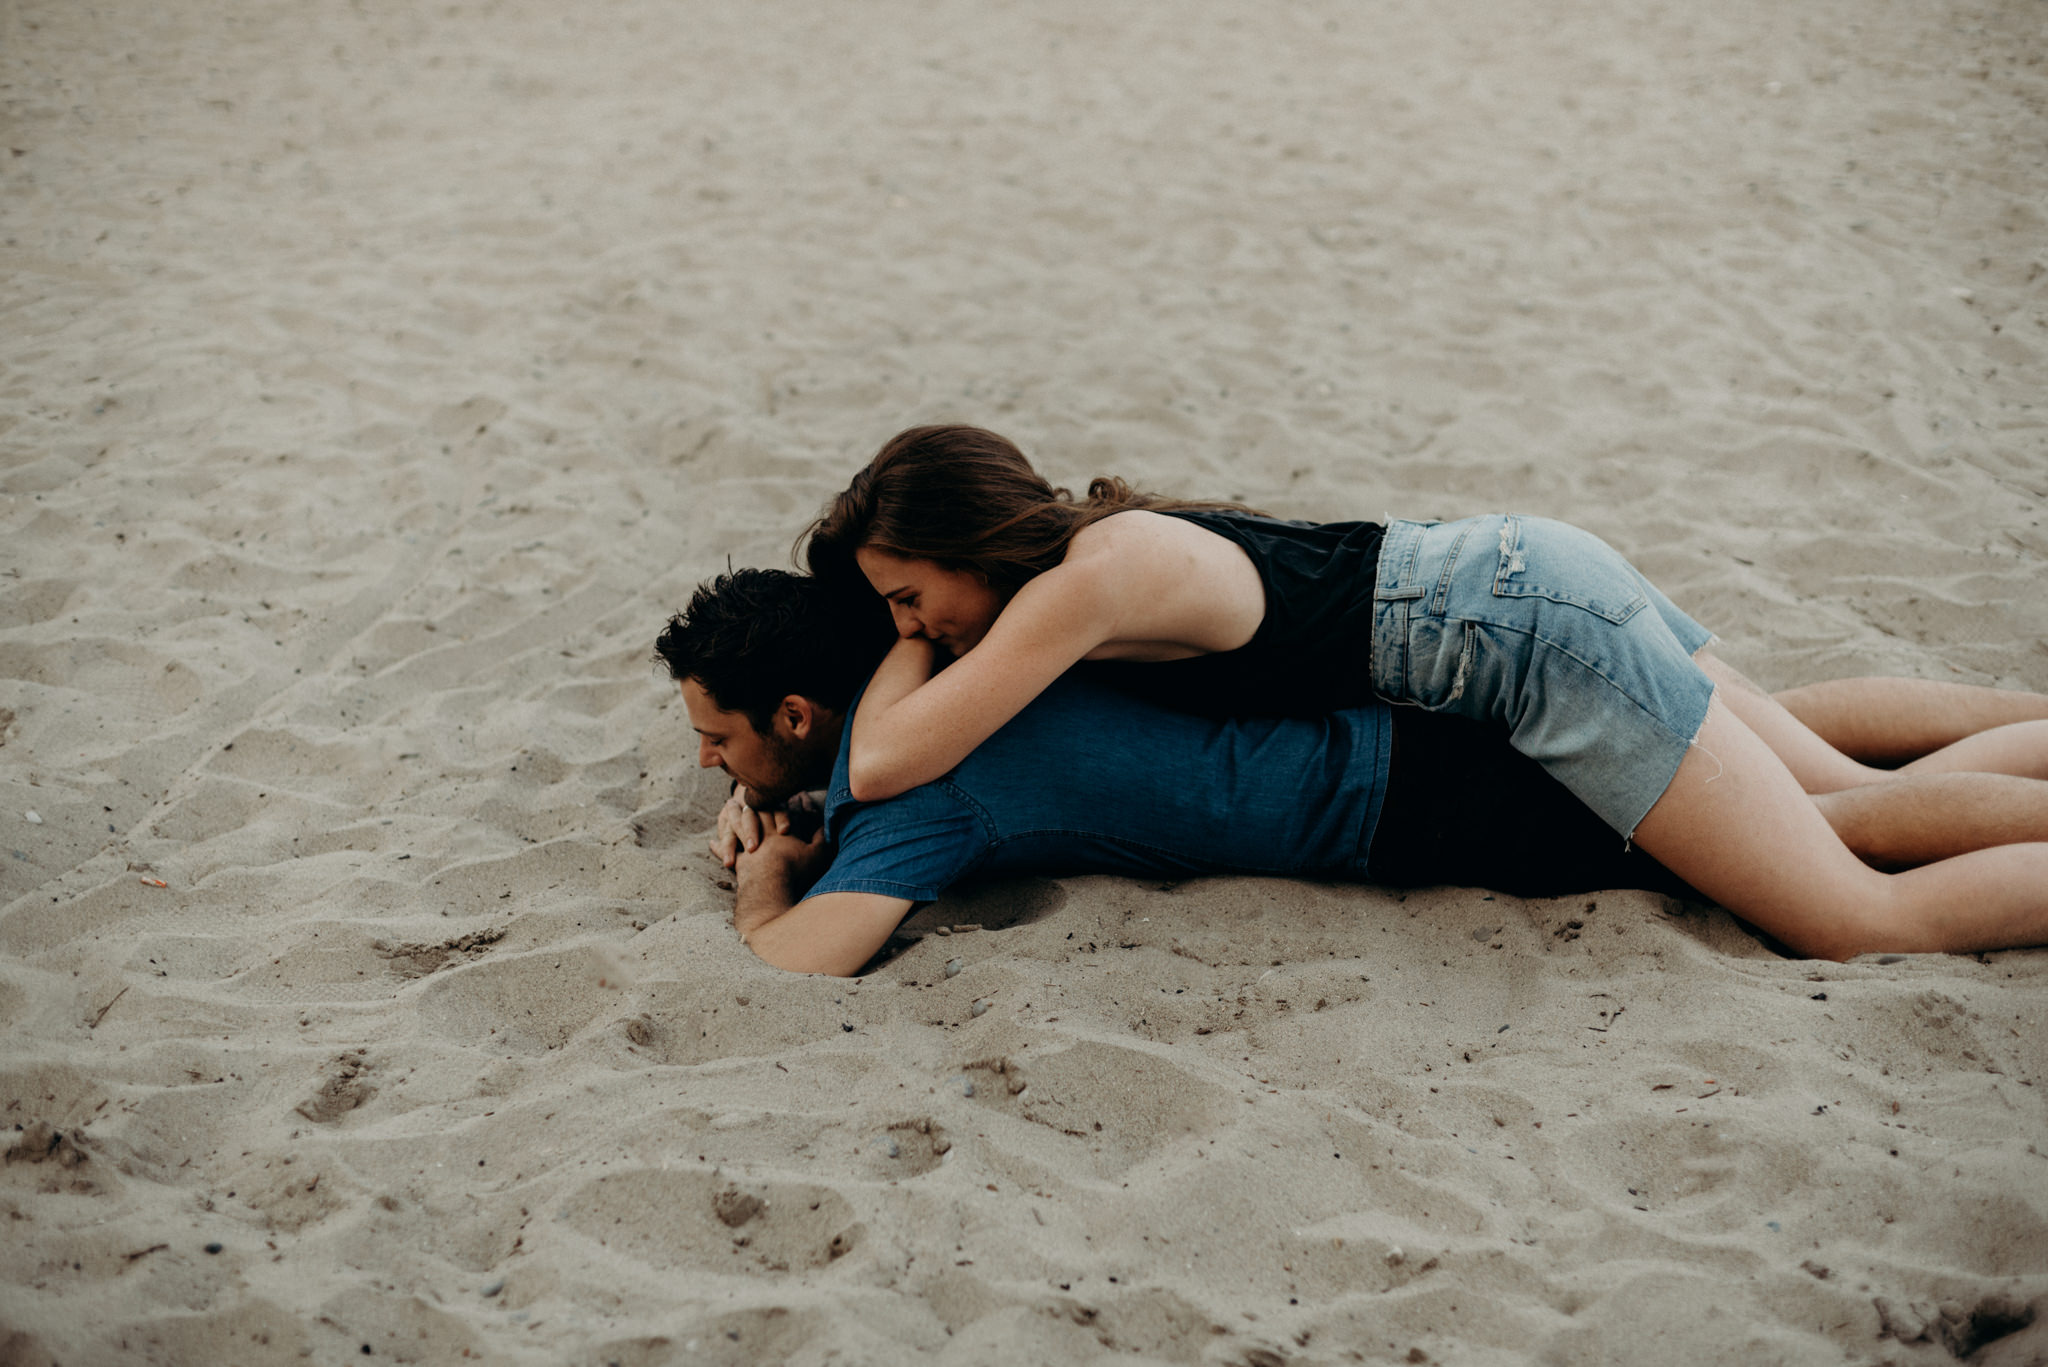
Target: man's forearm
x=835 y=933
x=765 y=890
x=775 y=876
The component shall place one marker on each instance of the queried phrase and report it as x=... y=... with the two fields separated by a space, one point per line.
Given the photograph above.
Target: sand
x=375 y=379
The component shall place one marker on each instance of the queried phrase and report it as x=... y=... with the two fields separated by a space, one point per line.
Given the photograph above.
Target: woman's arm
x=921 y=733
x=910 y=663
x=1135 y=578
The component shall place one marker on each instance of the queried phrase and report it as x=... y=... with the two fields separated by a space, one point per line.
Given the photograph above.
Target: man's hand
x=833 y=933
x=776 y=873
x=779 y=852
x=739 y=828
x=742 y=825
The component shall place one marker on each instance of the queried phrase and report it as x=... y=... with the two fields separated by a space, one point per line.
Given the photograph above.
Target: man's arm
x=835 y=932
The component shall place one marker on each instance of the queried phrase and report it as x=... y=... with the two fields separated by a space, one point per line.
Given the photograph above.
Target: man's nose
x=707 y=755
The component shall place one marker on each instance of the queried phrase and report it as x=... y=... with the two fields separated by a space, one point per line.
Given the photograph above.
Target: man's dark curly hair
x=753 y=637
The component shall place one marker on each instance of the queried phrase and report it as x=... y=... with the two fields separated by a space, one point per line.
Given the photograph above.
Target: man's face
x=777 y=765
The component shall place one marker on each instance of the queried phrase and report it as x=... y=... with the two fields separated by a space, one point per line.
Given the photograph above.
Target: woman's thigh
x=1736 y=825
x=1819 y=767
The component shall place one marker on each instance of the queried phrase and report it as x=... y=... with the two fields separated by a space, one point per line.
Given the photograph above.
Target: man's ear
x=799 y=714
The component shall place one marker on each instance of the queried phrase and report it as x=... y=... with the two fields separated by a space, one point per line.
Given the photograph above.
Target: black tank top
x=1312 y=653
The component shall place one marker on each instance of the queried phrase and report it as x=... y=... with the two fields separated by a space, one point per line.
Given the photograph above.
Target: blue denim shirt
x=1091 y=780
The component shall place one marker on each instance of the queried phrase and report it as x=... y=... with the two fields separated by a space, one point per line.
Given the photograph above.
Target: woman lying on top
x=1530 y=624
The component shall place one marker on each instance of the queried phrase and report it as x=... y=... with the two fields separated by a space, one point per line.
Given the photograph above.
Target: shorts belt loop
x=1441 y=598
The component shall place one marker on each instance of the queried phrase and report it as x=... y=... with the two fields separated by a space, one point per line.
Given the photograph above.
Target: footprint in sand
x=345 y=1087
x=418 y=960
x=697 y=1220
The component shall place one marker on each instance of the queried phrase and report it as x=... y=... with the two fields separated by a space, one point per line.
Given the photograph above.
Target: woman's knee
x=1852 y=821
x=1848 y=931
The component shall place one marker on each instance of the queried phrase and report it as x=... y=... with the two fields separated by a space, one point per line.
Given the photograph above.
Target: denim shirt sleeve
x=914 y=846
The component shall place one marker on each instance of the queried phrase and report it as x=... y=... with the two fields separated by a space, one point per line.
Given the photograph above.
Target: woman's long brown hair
x=966 y=499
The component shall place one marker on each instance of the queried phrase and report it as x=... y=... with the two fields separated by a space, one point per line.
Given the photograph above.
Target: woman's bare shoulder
x=1140 y=532
x=1169 y=581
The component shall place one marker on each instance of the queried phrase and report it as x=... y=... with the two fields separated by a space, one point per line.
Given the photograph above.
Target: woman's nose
x=906 y=623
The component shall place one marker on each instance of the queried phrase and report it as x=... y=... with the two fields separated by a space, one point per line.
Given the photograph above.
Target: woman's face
x=952 y=607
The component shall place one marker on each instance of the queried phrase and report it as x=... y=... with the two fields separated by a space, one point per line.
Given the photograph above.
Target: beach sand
x=376 y=379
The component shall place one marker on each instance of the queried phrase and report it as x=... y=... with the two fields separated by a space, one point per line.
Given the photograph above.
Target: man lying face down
x=1091 y=779
x=1087 y=779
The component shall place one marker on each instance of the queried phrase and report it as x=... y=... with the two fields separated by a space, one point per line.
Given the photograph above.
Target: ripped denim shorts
x=1543 y=628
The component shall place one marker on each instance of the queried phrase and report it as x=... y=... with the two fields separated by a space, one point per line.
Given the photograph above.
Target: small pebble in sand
x=977 y=1008
x=494 y=1288
x=213 y=1248
x=953 y=967
x=893 y=1149
x=32 y=818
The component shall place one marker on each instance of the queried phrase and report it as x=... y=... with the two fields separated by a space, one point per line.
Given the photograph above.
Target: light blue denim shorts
x=1545 y=629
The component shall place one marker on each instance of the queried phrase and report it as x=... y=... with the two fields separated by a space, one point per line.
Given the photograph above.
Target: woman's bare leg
x=1819 y=766
x=1736 y=825
x=1900 y=711
x=2020 y=748
x=1919 y=818
x=1892 y=721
